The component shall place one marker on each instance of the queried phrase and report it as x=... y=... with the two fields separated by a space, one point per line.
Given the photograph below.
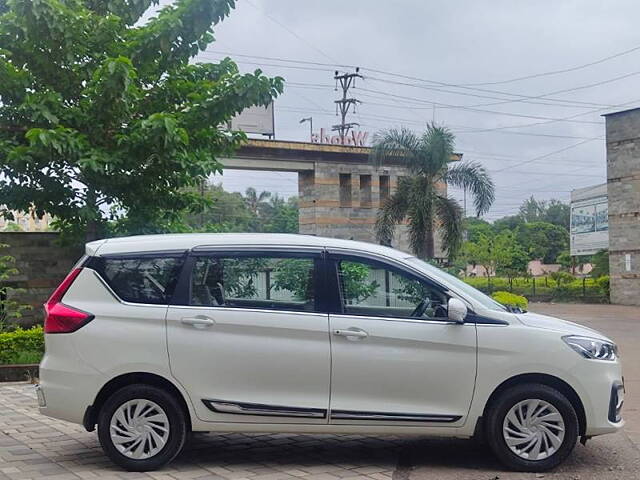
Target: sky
x=541 y=136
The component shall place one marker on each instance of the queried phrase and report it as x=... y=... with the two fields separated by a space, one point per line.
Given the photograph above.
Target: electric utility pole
x=346 y=81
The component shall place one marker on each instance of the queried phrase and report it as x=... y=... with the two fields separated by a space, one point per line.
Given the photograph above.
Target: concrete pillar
x=623 y=189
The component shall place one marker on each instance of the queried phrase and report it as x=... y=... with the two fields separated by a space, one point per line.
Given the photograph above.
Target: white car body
x=411 y=376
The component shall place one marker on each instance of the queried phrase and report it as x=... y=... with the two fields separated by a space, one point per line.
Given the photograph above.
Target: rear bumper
x=65 y=395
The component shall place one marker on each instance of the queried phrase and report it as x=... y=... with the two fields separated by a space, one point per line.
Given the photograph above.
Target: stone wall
x=623 y=189
x=42 y=265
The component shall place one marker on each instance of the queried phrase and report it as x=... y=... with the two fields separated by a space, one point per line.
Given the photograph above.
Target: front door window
x=374 y=289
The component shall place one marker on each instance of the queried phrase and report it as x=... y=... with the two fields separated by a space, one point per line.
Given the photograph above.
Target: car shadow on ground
x=290 y=449
x=402 y=457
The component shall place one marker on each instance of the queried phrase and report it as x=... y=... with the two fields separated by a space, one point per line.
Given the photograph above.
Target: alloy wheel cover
x=533 y=429
x=139 y=429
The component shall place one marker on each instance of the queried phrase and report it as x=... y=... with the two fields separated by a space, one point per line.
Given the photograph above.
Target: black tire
x=500 y=408
x=171 y=408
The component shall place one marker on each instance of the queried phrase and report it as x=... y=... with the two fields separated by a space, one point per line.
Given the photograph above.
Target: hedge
x=545 y=288
x=510 y=299
x=22 y=346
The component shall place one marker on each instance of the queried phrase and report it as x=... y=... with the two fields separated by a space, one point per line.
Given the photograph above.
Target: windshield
x=464 y=288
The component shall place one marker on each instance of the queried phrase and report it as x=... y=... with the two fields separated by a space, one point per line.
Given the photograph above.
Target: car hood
x=562 y=326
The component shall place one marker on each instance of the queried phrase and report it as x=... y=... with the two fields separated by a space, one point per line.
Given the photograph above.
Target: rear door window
x=260 y=281
x=144 y=279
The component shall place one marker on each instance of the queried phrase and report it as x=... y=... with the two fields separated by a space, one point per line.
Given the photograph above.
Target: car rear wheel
x=141 y=427
x=532 y=428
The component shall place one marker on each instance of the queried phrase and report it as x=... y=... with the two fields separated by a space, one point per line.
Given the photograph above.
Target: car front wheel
x=141 y=427
x=532 y=428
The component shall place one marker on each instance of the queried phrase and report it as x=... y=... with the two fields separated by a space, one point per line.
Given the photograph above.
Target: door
x=395 y=356
x=250 y=343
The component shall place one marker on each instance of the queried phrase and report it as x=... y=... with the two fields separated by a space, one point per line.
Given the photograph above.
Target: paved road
x=33 y=446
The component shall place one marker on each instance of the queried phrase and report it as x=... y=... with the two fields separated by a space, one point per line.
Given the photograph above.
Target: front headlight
x=592 y=348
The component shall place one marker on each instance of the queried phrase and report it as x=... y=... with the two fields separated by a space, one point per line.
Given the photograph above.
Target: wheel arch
x=548 y=380
x=145 y=378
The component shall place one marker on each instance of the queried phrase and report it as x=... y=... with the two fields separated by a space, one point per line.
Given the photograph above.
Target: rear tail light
x=60 y=318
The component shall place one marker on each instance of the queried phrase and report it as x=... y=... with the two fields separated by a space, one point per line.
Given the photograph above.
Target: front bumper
x=603 y=397
x=616 y=402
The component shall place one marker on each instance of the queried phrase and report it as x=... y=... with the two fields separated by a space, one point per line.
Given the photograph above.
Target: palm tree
x=417 y=197
x=254 y=200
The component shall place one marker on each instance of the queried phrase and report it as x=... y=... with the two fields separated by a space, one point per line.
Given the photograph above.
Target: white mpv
x=153 y=337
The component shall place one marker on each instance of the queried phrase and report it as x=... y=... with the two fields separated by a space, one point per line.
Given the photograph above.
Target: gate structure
x=340 y=191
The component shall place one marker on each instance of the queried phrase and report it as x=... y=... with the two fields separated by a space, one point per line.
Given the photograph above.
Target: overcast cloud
x=453 y=42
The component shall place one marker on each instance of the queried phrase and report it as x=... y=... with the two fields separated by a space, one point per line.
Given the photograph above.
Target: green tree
x=255 y=200
x=543 y=240
x=418 y=198
x=474 y=227
x=558 y=213
x=532 y=210
x=104 y=117
x=221 y=211
x=518 y=264
x=279 y=215
x=499 y=253
x=510 y=222
x=571 y=262
x=553 y=211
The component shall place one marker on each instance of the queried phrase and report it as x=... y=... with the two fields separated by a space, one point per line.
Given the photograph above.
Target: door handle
x=198 y=321
x=351 y=332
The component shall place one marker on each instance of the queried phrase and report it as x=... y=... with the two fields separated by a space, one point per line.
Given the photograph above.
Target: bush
x=22 y=346
x=604 y=285
x=510 y=300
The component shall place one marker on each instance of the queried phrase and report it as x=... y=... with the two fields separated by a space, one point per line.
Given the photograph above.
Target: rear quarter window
x=144 y=279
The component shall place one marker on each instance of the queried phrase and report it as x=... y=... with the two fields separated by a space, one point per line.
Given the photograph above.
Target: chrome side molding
x=260 y=409
x=237 y=408
x=397 y=417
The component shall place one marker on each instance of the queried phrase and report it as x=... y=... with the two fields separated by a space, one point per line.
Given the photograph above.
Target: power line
x=556 y=72
x=540 y=157
x=472 y=108
x=463 y=107
x=292 y=32
x=520 y=97
x=572 y=89
x=424 y=121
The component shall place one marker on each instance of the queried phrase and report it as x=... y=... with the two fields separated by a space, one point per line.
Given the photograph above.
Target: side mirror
x=456 y=310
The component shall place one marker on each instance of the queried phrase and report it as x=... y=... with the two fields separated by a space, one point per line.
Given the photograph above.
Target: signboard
x=356 y=139
x=589 y=220
x=255 y=120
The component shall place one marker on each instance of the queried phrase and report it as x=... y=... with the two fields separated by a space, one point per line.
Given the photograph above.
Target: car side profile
x=150 y=338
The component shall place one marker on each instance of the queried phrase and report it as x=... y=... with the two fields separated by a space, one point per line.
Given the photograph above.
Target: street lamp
x=310 y=120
